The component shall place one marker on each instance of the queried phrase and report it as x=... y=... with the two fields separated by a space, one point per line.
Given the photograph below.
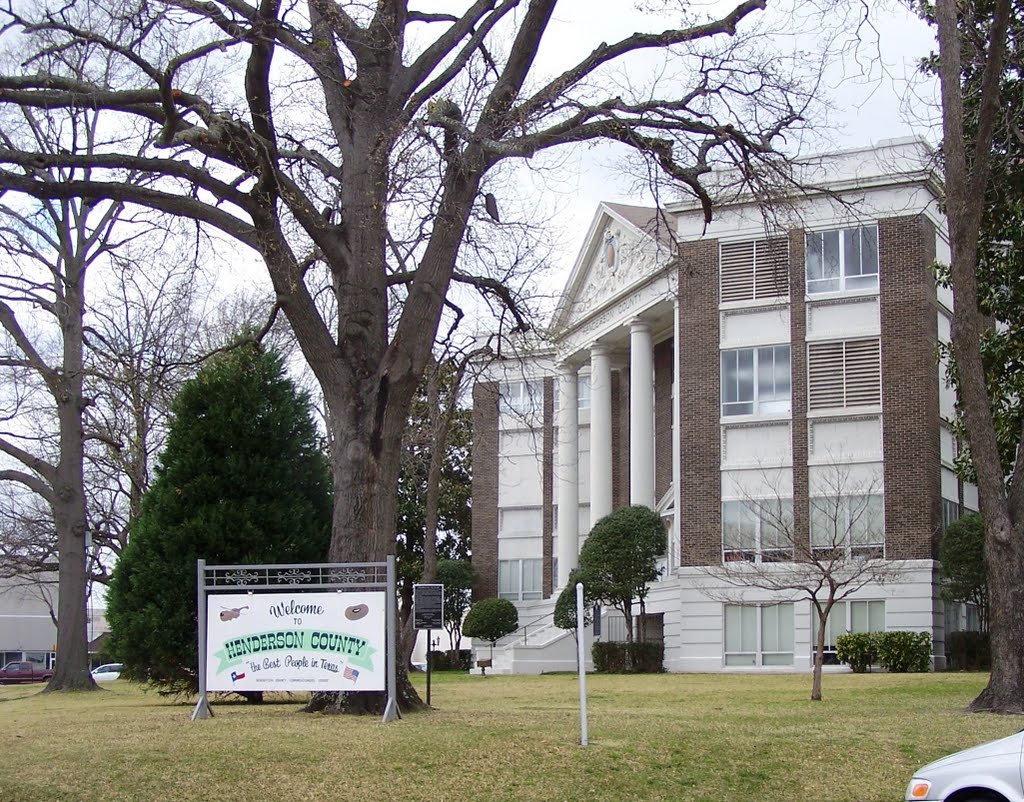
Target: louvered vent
x=737 y=271
x=825 y=375
x=844 y=374
x=771 y=265
x=754 y=270
x=863 y=376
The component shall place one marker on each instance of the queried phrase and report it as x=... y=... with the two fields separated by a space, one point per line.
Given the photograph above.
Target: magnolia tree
x=356 y=148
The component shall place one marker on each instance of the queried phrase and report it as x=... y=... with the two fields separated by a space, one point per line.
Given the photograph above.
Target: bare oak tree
x=49 y=247
x=967 y=174
x=833 y=550
x=288 y=128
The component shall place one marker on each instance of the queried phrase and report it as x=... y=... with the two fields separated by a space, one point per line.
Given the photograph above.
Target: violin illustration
x=232 y=613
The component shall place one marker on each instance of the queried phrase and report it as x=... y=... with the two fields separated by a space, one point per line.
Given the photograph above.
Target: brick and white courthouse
x=792 y=356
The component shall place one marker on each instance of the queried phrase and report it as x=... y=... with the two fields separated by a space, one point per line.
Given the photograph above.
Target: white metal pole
x=582 y=666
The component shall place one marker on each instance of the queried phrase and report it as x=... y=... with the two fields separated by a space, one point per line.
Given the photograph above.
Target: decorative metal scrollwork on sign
x=348 y=576
x=294 y=576
x=241 y=577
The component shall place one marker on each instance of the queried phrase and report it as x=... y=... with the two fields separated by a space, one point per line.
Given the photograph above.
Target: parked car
x=107 y=672
x=990 y=772
x=24 y=671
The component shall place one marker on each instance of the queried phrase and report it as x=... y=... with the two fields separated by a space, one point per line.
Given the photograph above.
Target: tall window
x=851 y=525
x=757 y=531
x=847 y=616
x=842 y=259
x=521 y=398
x=759 y=635
x=950 y=513
x=582 y=394
x=520 y=580
x=756 y=381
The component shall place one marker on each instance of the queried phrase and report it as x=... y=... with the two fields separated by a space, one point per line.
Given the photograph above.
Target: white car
x=107 y=672
x=990 y=772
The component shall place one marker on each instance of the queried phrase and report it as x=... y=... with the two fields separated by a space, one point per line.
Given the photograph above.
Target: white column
x=675 y=545
x=641 y=414
x=568 y=475
x=600 y=433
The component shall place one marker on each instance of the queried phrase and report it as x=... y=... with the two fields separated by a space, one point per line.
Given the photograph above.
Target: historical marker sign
x=428 y=606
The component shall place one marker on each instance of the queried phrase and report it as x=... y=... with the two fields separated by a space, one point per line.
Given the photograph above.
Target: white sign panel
x=295 y=642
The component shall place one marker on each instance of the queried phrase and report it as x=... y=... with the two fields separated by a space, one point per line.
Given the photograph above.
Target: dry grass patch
x=667 y=737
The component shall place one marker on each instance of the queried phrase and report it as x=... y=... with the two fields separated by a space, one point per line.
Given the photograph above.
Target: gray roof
x=652 y=221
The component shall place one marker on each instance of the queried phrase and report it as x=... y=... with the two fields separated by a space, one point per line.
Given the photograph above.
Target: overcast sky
x=875 y=91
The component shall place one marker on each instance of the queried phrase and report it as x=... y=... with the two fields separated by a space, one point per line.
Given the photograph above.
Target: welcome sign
x=295 y=642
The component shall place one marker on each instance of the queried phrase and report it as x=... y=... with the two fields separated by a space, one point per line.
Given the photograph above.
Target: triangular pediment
x=624 y=246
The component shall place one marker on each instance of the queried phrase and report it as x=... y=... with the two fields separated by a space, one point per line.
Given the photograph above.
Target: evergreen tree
x=241 y=480
x=962 y=568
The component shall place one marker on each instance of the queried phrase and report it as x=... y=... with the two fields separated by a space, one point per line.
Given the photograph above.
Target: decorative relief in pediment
x=618 y=260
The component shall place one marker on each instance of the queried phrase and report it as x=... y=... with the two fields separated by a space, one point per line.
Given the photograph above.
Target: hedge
x=445 y=661
x=969 y=651
x=898 y=652
x=629 y=658
x=858 y=650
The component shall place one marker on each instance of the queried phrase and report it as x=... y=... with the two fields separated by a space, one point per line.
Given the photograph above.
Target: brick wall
x=547 y=483
x=620 y=439
x=485 y=489
x=700 y=440
x=663 y=358
x=910 y=388
x=798 y=369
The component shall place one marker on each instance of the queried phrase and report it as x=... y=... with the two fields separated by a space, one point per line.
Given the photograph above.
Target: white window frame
x=582 y=394
x=758 y=514
x=834 y=629
x=761 y=656
x=525 y=397
x=517 y=571
x=758 y=404
x=845 y=280
x=848 y=511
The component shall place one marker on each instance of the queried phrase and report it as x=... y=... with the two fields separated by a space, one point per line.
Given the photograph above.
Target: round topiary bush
x=491 y=620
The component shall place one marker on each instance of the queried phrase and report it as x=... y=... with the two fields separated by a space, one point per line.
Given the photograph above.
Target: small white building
x=703 y=370
x=28 y=606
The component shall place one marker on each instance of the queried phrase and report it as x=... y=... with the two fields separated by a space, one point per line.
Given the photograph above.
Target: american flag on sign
x=350 y=674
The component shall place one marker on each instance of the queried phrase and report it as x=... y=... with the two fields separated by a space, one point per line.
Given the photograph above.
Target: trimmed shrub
x=905 y=652
x=647 y=657
x=859 y=650
x=629 y=658
x=491 y=620
x=446 y=661
x=969 y=651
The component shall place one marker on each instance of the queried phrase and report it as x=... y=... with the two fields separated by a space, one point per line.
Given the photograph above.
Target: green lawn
x=508 y=739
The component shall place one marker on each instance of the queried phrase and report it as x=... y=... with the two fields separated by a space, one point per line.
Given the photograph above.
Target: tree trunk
x=71 y=672
x=819 y=654
x=1005 y=691
x=966 y=181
